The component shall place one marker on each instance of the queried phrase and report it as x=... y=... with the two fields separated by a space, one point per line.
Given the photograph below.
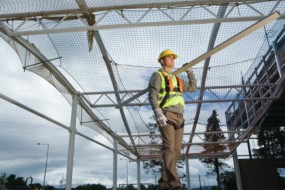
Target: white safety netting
x=133 y=53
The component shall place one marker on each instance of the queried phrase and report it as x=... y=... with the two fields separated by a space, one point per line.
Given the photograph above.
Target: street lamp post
x=127 y=177
x=45 y=164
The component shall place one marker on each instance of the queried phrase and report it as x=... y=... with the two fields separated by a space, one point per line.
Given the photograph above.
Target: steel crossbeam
x=166 y=5
x=59 y=18
x=27 y=45
x=219 y=98
x=22 y=20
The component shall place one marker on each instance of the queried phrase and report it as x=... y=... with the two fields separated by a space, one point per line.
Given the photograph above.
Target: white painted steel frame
x=72 y=129
x=277 y=58
x=138 y=25
x=272 y=92
x=138 y=174
x=114 y=83
x=115 y=165
x=198 y=88
x=70 y=88
x=85 y=11
x=188 y=174
x=2 y=96
x=218 y=48
x=212 y=51
x=221 y=46
x=67 y=85
x=211 y=44
x=209 y=88
x=188 y=102
x=167 y=5
x=71 y=143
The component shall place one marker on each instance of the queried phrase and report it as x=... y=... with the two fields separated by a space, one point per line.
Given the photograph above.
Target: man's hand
x=160 y=117
x=188 y=70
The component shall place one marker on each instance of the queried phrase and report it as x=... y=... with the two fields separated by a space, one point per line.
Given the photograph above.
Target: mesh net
x=133 y=52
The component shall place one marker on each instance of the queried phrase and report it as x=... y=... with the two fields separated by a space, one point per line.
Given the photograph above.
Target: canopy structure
x=104 y=53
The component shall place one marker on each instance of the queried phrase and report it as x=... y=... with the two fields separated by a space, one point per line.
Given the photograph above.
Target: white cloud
x=20 y=131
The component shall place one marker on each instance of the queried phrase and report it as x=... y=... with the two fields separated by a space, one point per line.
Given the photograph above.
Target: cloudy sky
x=20 y=131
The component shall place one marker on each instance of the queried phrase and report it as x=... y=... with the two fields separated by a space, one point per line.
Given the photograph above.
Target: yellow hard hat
x=166 y=53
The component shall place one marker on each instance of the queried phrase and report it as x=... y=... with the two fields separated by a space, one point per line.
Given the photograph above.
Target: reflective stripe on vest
x=173 y=86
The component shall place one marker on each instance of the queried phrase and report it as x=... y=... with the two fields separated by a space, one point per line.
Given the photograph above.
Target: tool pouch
x=175 y=124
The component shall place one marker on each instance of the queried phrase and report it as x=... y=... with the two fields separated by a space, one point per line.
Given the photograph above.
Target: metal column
x=187 y=174
x=245 y=105
x=237 y=171
x=115 y=165
x=249 y=149
x=139 y=174
x=277 y=58
x=71 y=143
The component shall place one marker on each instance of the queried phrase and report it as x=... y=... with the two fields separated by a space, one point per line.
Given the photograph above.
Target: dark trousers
x=172 y=135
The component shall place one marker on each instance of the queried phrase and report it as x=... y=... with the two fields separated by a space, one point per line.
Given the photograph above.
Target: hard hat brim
x=175 y=56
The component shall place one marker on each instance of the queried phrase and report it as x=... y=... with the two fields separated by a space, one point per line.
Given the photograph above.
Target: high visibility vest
x=171 y=89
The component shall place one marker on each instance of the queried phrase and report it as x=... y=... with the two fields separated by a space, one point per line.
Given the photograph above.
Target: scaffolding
x=100 y=55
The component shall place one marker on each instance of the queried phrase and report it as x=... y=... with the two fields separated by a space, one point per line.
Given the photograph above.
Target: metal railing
x=269 y=71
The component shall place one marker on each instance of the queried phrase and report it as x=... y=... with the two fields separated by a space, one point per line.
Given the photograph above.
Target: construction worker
x=165 y=96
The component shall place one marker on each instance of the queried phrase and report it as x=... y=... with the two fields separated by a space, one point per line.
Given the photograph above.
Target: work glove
x=189 y=70
x=160 y=117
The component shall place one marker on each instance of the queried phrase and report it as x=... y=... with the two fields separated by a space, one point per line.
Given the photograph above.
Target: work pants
x=172 y=136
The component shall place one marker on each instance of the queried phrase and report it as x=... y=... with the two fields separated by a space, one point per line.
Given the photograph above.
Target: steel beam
x=215 y=30
x=188 y=174
x=218 y=48
x=114 y=82
x=51 y=120
x=57 y=74
x=166 y=5
x=33 y=111
x=115 y=165
x=230 y=41
x=198 y=88
x=138 y=25
x=219 y=99
x=71 y=144
x=189 y=102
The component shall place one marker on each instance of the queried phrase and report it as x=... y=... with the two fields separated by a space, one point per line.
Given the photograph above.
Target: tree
x=229 y=179
x=272 y=142
x=143 y=187
x=62 y=182
x=214 y=165
x=13 y=181
x=3 y=178
x=35 y=186
x=91 y=187
x=153 y=166
x=130 y=187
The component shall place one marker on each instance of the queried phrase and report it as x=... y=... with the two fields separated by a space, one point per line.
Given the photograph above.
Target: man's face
x=168 y=61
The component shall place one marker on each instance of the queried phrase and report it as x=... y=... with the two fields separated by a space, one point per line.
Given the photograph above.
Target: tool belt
x=175 y=125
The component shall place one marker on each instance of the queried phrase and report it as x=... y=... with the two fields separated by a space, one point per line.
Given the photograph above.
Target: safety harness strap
x=169 y=87
x=169 y=83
